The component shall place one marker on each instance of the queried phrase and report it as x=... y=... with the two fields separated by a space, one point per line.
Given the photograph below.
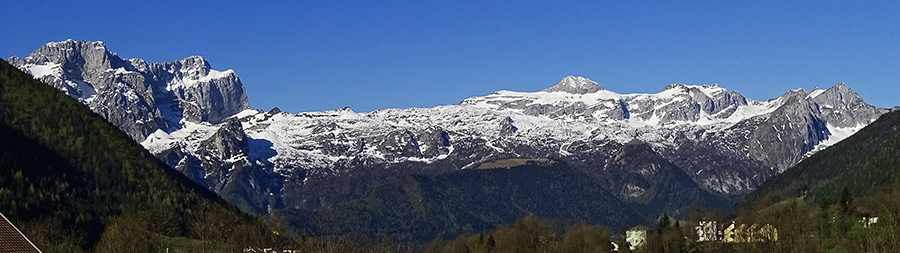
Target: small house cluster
x=868 y=222
x=708 y=231
x=750 y=233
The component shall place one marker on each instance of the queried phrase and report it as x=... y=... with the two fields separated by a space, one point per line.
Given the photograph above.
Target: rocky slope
x=864 y=163
x=137 y=96
x=645 y=149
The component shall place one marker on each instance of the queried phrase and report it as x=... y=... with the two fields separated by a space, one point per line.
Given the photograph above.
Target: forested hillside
x=419 y=208
x=862 y=163
x=842 y=199
x=74 y=182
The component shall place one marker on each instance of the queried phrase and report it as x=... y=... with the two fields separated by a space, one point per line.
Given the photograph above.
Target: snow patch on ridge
x=177 y=84
x=837 y=135
x=51 y=69
x=815 y=93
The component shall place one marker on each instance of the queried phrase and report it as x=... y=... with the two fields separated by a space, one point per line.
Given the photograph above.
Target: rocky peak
x=228 y=142
x=69 y=50
x=194 y=67
x=507 y=127
x=206 y=95
x=79 y=59
x=137 y=96
x=575 y=85
x=346 y=109
x=274 y=111
x=839 y=93
x=679 y=86
x=843 y=107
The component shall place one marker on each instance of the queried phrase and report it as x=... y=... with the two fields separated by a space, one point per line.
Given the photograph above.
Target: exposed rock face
x=434 y=142
x=507 y=127
x=575 y=85
x=206 y=95
x=649 y=182
x=647 y=149
x=840 y=106
x=137 y=96
x=226 y=149
x=796 y=128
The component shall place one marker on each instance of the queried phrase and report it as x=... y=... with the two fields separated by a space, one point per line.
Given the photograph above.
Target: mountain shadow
x=419 y=208
x=652 y=185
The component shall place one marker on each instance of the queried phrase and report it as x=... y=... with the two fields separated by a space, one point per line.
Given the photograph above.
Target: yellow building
x=751 y=233
x=636 y=236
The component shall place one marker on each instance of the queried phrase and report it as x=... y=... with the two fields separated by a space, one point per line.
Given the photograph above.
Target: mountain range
x=654 y=153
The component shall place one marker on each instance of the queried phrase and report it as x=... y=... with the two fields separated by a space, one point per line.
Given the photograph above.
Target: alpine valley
x=639 y=155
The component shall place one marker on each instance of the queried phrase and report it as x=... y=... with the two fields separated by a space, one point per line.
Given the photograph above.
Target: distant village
x=708 y=230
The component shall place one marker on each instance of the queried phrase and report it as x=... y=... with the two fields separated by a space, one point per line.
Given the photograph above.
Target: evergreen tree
x=826 y=202
x=663 y=222
x=491 y=244
x=846 y=200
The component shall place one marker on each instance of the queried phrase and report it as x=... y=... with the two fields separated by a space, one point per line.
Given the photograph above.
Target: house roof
x=12 y=240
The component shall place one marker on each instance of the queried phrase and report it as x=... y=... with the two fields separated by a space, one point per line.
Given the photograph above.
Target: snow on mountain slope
x=39 y=71
x=137 y=96
x=198 y=120
x=500 y=122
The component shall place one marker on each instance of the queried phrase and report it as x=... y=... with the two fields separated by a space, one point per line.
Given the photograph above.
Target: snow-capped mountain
x=137 y=96
x=643 y=147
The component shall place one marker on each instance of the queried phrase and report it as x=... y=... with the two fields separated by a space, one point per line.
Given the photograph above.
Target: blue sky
x=323 y=55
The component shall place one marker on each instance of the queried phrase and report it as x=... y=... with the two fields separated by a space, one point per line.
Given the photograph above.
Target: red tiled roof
x=13 y=241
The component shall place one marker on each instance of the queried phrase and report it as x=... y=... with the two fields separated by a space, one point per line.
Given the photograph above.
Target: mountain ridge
x=157 y=95
x=723 y=143
x=851 y=163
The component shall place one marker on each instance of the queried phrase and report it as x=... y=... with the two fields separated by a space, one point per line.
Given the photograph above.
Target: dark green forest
x=530 y=234
x=419 y=208
x=73 y=182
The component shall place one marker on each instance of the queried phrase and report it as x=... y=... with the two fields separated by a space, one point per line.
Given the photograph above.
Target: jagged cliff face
x=649 y=150
x=138 y=97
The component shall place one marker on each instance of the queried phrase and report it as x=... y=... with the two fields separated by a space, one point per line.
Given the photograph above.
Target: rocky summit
x=137 y=96
x=648 y=150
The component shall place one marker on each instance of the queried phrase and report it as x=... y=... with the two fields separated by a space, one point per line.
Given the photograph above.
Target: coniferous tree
x=846 y=200
x=663 y=222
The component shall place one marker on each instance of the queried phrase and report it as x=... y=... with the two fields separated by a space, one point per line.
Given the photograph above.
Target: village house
x=750 y=233
x=868 y=222
x=707 y=231
x=636 y=236
x=866 y=217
